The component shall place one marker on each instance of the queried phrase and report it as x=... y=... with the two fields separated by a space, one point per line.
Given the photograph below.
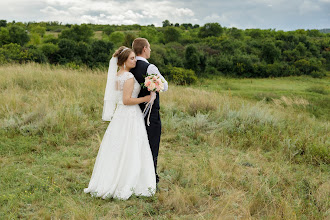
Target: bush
x=223 y=63
x=192 y=60
x=117 y=38
x=181 y=76
x=67 y=50
x=129 y=38
x=317 y=74
x=18 y=35
x=307 y=66
x=243 y=64
x=99 y=54
x=13 y=53
x=50 y=51
x=37 y=55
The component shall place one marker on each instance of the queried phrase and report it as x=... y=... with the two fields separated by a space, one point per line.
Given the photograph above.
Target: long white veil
x=111 y=93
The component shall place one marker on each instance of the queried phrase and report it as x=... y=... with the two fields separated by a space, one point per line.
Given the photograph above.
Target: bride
x=124 y=164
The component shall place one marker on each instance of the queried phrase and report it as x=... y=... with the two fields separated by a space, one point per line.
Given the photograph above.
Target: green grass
x=225 y=154
x=304 y=93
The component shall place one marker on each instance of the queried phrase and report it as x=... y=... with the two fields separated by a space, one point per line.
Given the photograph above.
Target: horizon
x=172 y=24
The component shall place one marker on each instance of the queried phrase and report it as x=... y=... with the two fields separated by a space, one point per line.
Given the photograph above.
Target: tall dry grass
x=221 y=157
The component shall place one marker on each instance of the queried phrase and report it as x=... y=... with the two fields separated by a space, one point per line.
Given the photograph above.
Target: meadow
x=230 y=148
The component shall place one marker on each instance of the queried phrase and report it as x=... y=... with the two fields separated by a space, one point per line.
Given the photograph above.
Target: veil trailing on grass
x=111 y=93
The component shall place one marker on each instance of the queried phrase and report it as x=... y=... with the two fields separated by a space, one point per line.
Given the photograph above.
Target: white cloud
x=279 y=14
x=184 y=12
x=114 y=12
x=308 y=7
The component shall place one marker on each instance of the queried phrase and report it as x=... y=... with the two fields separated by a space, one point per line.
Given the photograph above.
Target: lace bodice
x=120 y=85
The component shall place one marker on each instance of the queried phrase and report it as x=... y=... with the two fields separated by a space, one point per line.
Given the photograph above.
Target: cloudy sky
x=264 y=14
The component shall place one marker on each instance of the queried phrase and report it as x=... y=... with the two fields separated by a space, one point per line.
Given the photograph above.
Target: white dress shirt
x=152 y=69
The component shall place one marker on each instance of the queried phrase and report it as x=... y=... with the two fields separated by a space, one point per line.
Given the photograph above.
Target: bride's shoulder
x=128 y=75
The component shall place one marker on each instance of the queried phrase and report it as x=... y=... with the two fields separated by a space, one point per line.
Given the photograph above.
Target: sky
x=264 y=14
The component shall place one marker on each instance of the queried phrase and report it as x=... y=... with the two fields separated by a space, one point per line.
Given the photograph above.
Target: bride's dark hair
x=122 y=53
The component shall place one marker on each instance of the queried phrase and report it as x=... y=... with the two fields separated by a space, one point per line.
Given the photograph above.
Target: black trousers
x=154 y=132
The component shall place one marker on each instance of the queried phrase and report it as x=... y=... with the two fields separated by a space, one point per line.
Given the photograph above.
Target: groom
x=143 y=68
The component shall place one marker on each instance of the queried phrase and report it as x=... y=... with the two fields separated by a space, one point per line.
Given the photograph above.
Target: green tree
x=117 y=38
x=171 y=34
x=255 y=33
x=51 y=52
x=18 y=35
x=187 y=26
x=78 y=33
x=196 y=26
x=99 y=54
x=67 y=50
x=166 y=23
x=236 y=33
x=4 y=36
x=301 y=49
x=192 y=60
x=36 y=55
x=34 y=39
x=129 y=38
x=210 y=29
x=269 y=52
x=38 y=30
x=3 y=23
x=149 y=33
x=108 y=30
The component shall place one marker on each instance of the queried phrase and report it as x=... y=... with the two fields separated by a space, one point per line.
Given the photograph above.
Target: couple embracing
x=127 y=159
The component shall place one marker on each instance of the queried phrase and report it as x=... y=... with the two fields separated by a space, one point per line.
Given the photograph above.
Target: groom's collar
x=142 y=58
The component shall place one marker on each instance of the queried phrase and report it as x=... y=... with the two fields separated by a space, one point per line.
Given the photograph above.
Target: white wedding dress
x=124 y=164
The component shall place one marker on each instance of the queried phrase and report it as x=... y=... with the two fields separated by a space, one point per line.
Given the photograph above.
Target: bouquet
x=154 y=84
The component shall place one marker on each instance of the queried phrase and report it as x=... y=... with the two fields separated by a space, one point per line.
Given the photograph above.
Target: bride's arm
x=127 y=94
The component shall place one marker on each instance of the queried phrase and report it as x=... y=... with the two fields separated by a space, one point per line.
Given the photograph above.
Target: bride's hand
x=147 y=98
x=151 y=97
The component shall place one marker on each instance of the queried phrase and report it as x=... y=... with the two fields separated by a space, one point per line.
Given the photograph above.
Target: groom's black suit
x=154 y=130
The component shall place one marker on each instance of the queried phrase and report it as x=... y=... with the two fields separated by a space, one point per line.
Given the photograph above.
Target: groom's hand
x=153 y=96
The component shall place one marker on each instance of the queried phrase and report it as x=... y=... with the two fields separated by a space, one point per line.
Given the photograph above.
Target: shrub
x=129 y=38
x=117 y=38
x=181 y=76
x=50 y=51
x=307 y=66
x=99 y=54
x=37 y=55
x=192 y=60
x=13 y=53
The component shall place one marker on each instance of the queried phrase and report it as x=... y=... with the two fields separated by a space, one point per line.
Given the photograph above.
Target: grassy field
x=230 y=148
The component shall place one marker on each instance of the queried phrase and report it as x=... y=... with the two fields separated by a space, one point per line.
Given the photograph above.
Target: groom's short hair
x=138 y=45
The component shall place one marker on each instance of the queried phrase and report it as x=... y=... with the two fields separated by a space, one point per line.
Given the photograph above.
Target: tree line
x=183 y=52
